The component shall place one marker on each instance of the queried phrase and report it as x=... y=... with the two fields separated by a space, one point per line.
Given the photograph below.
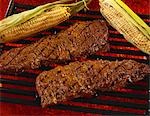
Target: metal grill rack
x=132 y=100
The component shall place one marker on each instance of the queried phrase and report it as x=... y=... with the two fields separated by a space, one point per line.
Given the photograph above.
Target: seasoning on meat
x=84 y=78
x=80 y=40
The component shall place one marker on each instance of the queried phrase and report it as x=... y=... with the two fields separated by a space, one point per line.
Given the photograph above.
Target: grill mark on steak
x=53 y=49
x=70 y=34
x=109 y=74
x=39 y=55
x=85 y=39
x=23 y=48
x=79 y=72
x=102 y=41
x=87 y=88
x=5 y=54
x=27 y=60
x=120 y=76
x=101 y=75
x=79 y=32
x=46 y=47
x=74 y=42
x=86 y=35
x=80 y=78
x=10 y=52
x=80 y=35
x=99 y=71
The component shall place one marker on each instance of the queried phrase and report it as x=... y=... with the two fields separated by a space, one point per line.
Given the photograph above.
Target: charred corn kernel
x=33 y=21
x=123 y=19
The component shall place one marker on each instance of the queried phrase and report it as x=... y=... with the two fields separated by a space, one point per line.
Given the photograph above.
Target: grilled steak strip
x=84 y=78
x=80 y=40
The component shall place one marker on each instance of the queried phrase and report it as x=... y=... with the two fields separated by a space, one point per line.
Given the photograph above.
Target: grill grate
x=132 y=100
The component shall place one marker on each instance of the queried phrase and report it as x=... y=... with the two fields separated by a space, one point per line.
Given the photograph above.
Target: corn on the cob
x=123 y=19
x=32 y=21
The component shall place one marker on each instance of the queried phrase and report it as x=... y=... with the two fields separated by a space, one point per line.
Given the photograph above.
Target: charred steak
x=81 y=78
x=80 y=40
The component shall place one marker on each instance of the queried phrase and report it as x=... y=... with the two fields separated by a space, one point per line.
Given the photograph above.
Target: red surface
x=7 y=109
x=139 y=6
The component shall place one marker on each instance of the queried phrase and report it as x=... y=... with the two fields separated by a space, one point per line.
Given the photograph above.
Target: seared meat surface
x=80 y=40
x=85 y=78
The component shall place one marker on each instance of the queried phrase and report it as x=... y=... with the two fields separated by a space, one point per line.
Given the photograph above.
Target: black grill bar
x=138 y=88
x=84 y=18
x=89 y=110
x=19 y=101
x=124 y=95
x=24 y=6
x=112 y=103
x=66 y=107
x=116 y=43
x=129 y=52
x=16 y=82
x=83 y=100
x=21 y=75
x=115 y=35
x=17 y=91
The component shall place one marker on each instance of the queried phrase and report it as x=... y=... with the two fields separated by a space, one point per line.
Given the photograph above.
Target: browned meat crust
x=81 y=39
x=81 y=78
